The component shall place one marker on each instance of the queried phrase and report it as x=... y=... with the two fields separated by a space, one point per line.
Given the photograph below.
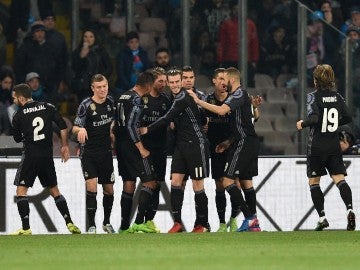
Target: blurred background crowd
x=35 y=48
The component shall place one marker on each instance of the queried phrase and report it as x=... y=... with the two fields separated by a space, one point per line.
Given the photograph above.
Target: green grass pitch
x=266 y=250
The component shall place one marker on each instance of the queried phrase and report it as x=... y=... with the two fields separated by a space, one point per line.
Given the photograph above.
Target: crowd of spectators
x=105 y=47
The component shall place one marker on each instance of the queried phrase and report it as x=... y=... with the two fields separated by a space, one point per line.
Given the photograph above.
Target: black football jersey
x=186 y=116
x=128 y=114
x=218 y=125
x=154 y=108
x=32 y=124
x=241 y=114
x=326 y=111
x=96 y=119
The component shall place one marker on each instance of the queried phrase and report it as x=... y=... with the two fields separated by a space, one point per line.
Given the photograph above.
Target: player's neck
x=26 y=101
x=140 y=90
x=221 y=96
x=154 y=93
x=235 y=87
x=98 y=99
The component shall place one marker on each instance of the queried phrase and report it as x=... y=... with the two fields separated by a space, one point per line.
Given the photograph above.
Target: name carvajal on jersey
x=329 y=99
x=34 y=109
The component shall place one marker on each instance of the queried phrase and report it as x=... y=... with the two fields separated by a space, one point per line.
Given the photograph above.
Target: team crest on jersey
x=212 y=101
x=310 y=99
x=86 y=174
x=108 y=108
x=163 y=106
x=93 y=106
x=146 y=100
x=112 y=178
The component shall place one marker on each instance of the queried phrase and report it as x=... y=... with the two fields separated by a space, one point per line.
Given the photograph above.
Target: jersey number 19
x=330 y=121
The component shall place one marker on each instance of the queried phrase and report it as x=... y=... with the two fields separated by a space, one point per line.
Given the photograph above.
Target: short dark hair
x=217 y=71
x=131 y=35
x=162 y=49
x=145 y=78
x=22 y=90
x=98 y=78
x=187 y=69
x=173 y=72
x=233 y=72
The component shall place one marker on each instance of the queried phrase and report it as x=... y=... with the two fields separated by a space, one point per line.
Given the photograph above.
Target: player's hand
x=65 y=153
x=194 y=96
x=143 y=130
x=144 y=153
x=82 y=135
x=221 y=147
x=256 y=100
x=344 y=145
x=298 y=124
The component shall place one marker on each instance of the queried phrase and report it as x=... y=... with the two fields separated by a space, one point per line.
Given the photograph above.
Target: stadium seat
x=291 y=110
x=264 y=81
x=271 y=111
x=279 y=96
x=155 y=25
x=147 y=40
x=282 y=79
x=263 y=126
x=257 y=91
x=277 y=141
x=286 y=125
x=140 y=12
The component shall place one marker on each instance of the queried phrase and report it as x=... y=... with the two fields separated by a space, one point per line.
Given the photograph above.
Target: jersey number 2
x=330 y=121
x=38 y=123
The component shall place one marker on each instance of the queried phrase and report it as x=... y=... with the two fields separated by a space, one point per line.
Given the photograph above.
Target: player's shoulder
x=210 y=98
x=166 y=96
x=200 y=94
x=340 y=97
x=84 y=105
x=236 y=95
x=310 y=97
x=86 y=102
x=110 y=99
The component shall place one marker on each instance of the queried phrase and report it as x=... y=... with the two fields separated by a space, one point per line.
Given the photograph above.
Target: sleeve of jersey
x=59 y=120
x=132 y=124
x=80 y=115
x=234 y=101
x=312 y=111
x=178 y=105
x=15 y=129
